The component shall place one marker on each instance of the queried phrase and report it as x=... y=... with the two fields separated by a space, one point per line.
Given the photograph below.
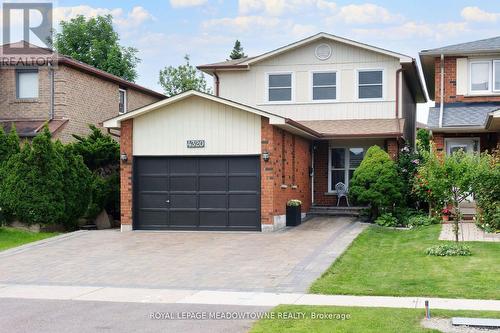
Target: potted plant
x=446 y=213
x=293 y=212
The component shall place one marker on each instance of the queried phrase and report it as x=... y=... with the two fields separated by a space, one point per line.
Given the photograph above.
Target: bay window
x=343 y=162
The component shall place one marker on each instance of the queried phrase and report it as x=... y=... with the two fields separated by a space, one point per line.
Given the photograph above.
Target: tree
x=376 y=182
x=448 y=180
x=423 y=140
x=176 y=80
x=9 y=144
x=487 y=191
x=95 y=42
x=237 y=52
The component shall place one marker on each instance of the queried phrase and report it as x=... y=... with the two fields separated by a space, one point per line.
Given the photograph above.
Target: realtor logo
x=29 y=22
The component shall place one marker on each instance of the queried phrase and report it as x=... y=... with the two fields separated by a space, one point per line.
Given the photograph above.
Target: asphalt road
x=23 y=315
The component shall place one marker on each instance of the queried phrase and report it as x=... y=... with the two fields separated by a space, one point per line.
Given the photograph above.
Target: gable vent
x=323 y=51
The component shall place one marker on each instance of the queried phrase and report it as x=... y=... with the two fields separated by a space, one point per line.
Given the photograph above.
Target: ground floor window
x=468 y=145
x=342 y=163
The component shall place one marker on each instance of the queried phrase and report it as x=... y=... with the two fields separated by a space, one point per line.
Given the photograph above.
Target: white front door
x=468 y=145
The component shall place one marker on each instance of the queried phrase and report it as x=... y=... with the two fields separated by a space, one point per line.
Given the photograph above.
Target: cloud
x=279 y=7
x=187 y=3
x=411 y=30
x=242 y=23
x=133 y=19
x=367 y=13
x=476 y=14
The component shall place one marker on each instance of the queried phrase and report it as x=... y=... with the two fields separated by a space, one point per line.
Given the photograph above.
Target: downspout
x=441 y=103
x=216 y=83
x=52 y=91
x=398 y=84
x=312 y=173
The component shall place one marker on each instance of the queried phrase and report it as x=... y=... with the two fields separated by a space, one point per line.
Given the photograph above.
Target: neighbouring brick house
x=68 y=94
x=288 y=124
x=467 y=111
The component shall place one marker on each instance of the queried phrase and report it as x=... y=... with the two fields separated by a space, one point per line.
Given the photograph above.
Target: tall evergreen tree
x=237 y=52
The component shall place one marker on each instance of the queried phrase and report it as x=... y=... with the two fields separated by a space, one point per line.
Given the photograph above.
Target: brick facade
x=126 y=174
x=450 y=84
x=286 y=175
x=79 y=97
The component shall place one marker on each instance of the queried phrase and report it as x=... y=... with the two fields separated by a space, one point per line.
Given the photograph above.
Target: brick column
x=392 y=148
x=438 y=139
x=126 y=175
x=267 y=174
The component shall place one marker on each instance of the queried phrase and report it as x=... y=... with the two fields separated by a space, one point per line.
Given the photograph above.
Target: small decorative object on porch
x=446 y=213
x=293 y=213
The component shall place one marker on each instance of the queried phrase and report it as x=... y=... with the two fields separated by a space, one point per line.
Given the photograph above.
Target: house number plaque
x=196 y=143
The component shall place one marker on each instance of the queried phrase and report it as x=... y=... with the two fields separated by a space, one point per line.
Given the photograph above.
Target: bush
x=45 y=183
x=387 y=220
x=421 y=220
x=448 y=250
x=487 y=191
x=407 y=164
x=376 y=182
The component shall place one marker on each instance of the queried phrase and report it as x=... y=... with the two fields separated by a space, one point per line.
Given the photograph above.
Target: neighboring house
x=288 y=124
x=68 y=95
x=467 y=111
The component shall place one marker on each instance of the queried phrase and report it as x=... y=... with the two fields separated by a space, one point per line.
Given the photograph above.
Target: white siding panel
x=462 y=76
x=249 y=87
x=226 y=130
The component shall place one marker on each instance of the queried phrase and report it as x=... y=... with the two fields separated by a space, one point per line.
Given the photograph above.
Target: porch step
x=335 y=211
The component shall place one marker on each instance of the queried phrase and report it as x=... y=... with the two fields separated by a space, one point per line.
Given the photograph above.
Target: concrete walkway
x=210 y=297
x=468 y=232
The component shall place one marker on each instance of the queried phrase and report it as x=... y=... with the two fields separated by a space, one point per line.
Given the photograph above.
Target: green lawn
x=362 y=320
x=10 y=237
x=392 y=262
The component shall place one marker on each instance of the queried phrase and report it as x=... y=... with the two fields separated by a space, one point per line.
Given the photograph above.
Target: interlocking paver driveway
x=283 y=261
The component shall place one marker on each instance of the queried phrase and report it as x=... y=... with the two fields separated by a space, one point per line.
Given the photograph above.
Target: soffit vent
x=323 y=51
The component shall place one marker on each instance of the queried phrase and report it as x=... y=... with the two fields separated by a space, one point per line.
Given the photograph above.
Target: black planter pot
x=293 y=216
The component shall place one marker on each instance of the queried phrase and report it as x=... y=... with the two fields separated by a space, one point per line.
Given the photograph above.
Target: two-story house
x=464 y=81
x=45 y=87
x=287 y=124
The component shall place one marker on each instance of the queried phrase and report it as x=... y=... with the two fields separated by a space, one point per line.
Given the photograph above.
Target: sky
x=165 y=30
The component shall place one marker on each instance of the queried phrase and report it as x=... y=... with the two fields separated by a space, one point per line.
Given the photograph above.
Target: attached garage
x=197 y=193
x=199 y=162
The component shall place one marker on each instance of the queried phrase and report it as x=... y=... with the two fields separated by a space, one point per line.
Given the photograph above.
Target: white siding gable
x=250 y=87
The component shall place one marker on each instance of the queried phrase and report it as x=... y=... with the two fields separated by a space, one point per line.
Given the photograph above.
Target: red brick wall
x=450 y=84
x=126 y=173
x=289 y=163
x=392 y=148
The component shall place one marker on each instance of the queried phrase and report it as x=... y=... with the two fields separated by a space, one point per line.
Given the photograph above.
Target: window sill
x=496 y=94
x=27 y=100
x=330 y=193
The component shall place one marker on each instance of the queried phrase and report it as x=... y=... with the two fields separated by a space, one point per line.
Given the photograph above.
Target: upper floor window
x=279 y=87
x=480 y=74
x=324 y=86
x=496 y=75
x=27 y=83
x=370 y=84
x=123 y=101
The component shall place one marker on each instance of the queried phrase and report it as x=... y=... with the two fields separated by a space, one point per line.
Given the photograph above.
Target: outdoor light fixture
x=124 y=157
x=265 y=156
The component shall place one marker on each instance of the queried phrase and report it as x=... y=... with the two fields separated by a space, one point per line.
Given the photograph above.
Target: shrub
x=294 y=203
x=421 y=220
x=449 y=249
x=376 y=182
x=45 y=183
x=101 y=154
x=407 y=164
x=387 y=220
x=487 y=191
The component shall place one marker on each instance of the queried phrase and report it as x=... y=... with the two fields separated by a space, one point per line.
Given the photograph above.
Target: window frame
x=359 y=70
x=311 y=85
x=346 y=168
x=490 y=76
x=120 y=90
x=23 y=71
x=496 y=62
x=292 y=87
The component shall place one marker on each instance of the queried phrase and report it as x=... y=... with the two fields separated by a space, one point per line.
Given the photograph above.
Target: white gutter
x=441 y=105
